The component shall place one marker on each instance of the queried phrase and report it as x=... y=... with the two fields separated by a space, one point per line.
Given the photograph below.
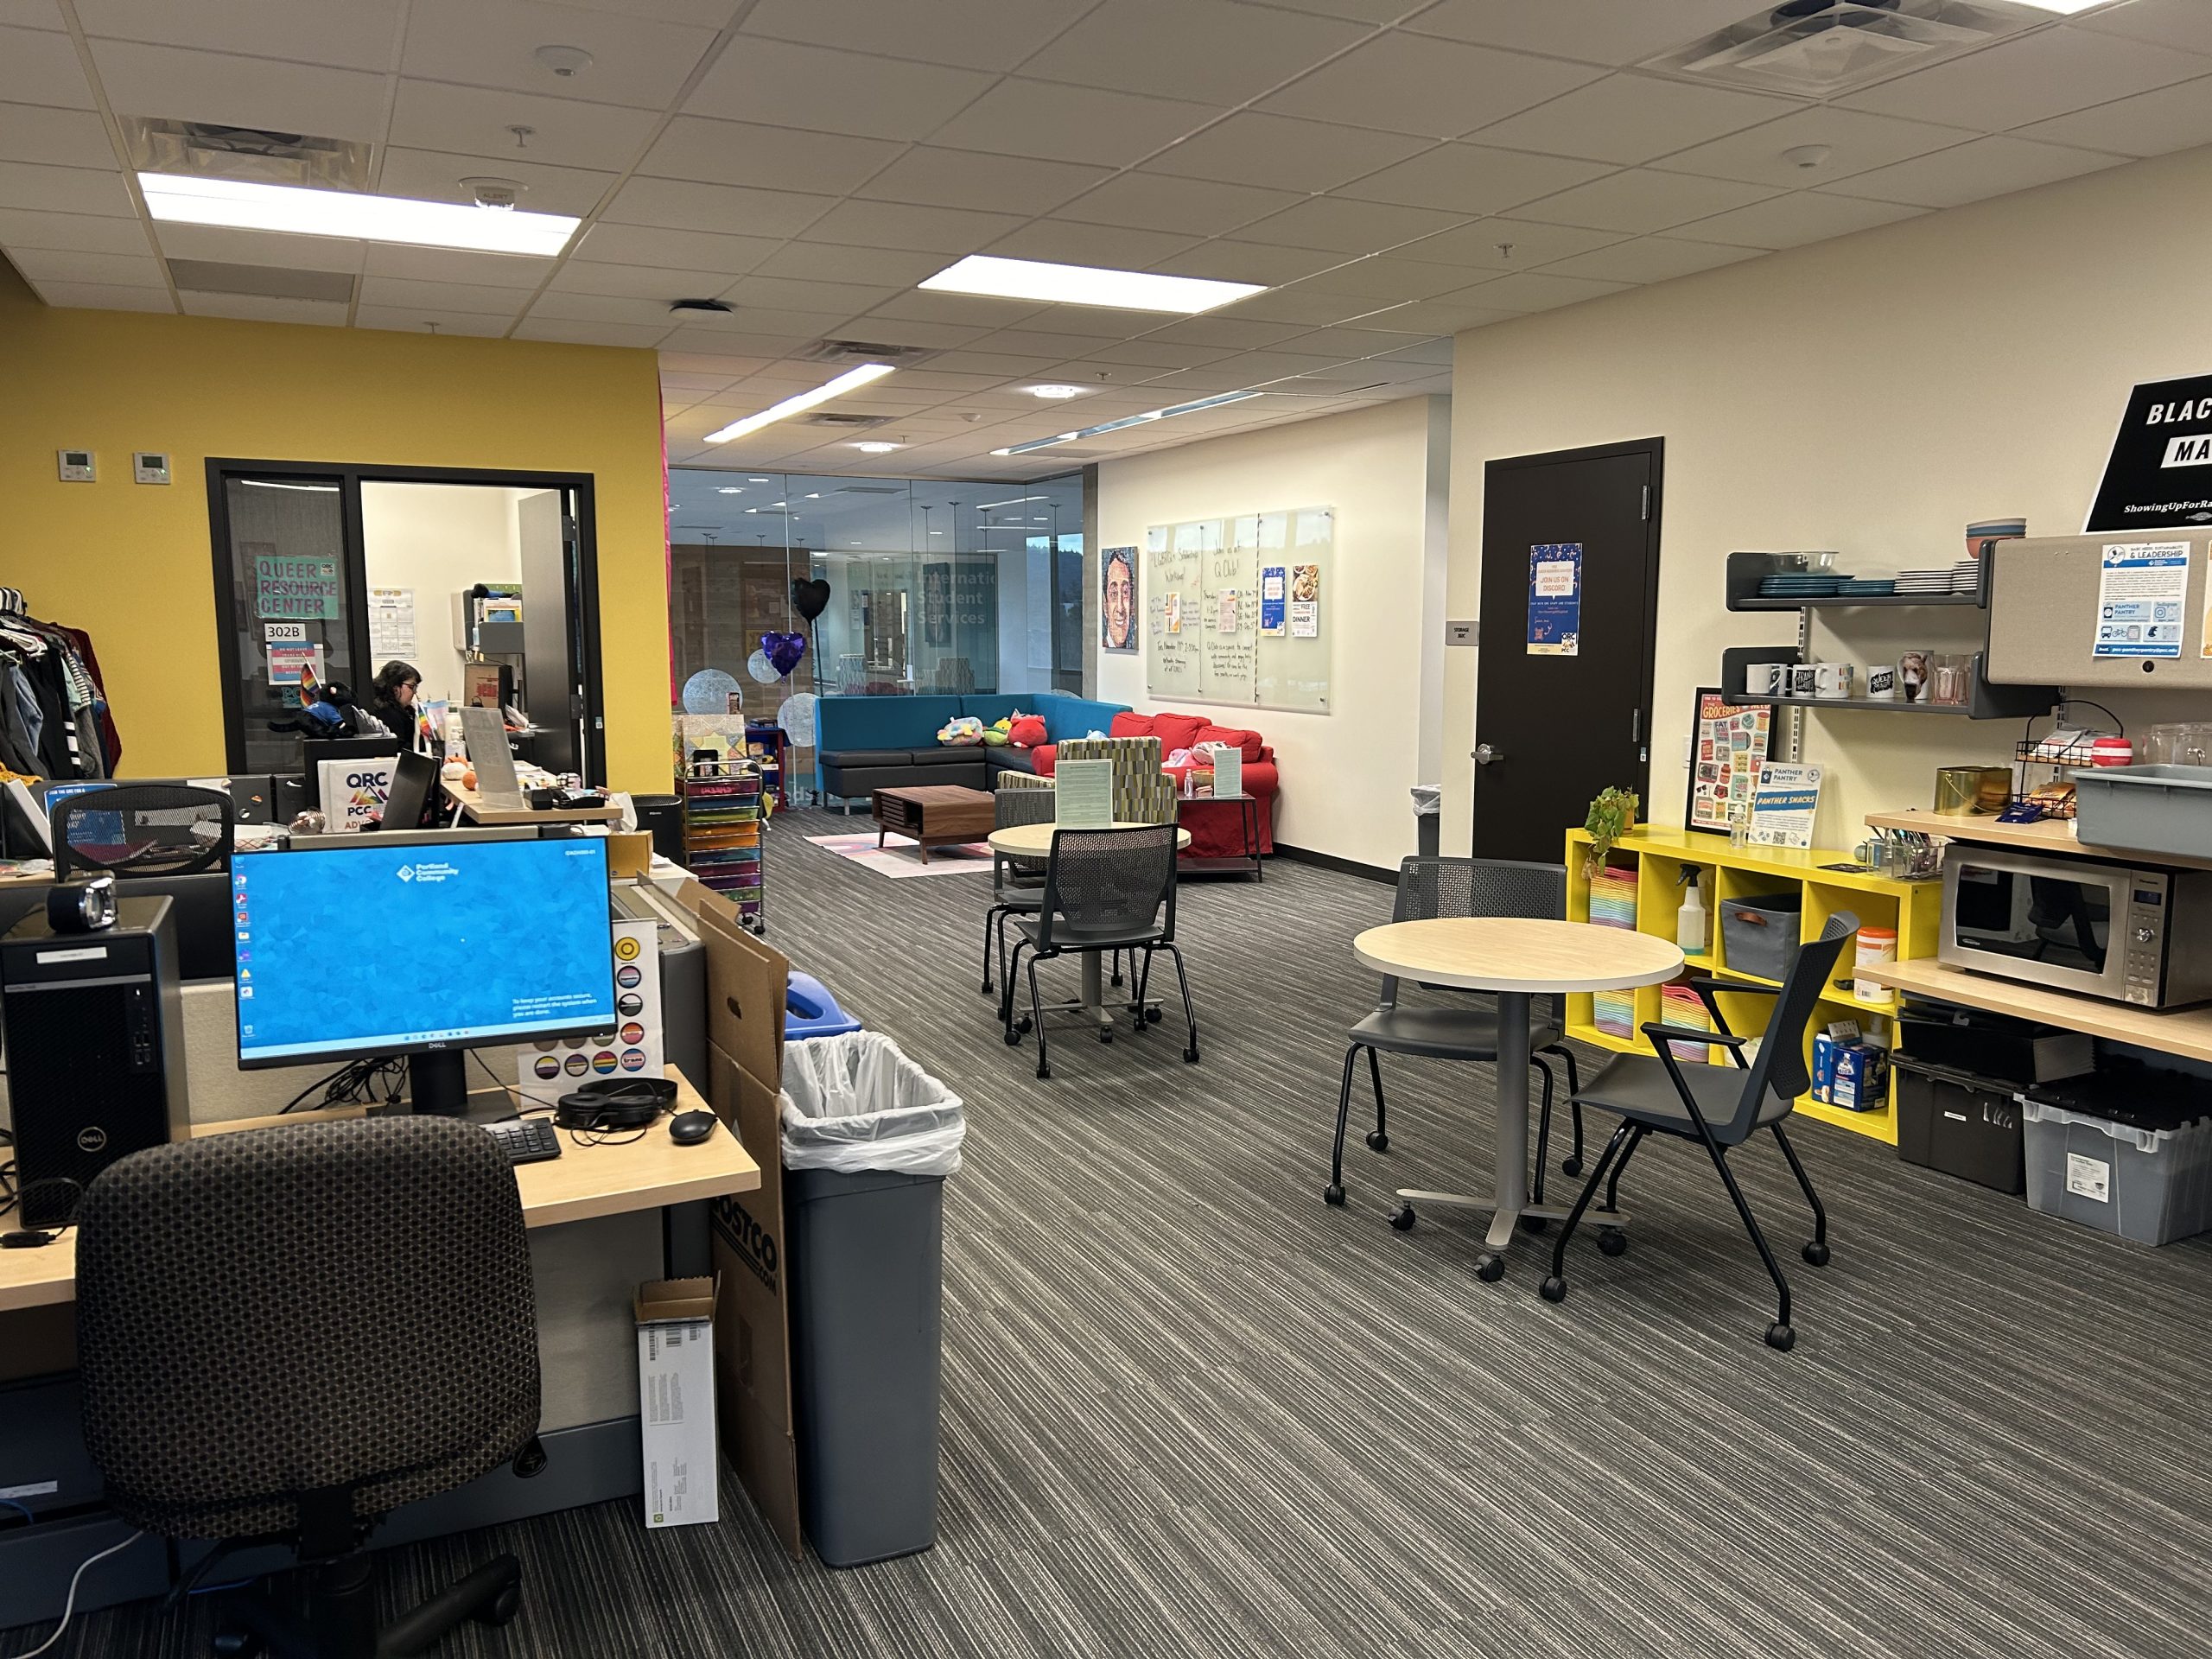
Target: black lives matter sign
x=2160 y=472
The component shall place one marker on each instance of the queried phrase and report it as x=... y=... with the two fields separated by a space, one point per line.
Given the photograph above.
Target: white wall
x=1345 y=774
x=438 y=539
x=1872 y=395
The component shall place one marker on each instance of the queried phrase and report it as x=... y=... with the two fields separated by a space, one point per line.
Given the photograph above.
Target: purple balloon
x=783 y=650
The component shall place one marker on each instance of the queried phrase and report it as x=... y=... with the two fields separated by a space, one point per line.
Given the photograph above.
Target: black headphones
x=615 y=1103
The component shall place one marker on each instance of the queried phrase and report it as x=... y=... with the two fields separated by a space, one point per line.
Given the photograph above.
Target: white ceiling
x=1397 y=170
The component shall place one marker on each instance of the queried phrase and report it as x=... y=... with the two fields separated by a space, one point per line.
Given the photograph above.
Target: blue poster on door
x=1556 y=601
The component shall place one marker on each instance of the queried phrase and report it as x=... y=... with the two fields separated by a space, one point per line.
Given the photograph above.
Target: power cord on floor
x=69 y=1607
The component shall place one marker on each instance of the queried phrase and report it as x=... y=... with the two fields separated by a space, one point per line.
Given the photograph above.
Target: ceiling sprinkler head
x=1505 y=251
x=522 y=136
x=502 y=193
x=565 y=61
x=1808 y=157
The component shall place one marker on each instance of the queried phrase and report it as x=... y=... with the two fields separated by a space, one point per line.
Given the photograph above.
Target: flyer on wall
x=2141 y=589
x=1783 y=803
x=1555 y=600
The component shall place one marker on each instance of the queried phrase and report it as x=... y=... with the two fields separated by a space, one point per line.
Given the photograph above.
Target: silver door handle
x=1486 y=753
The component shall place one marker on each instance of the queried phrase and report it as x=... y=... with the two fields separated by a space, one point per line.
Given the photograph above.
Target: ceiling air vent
x=264 y=282
x=847 y=422
x=871 y=489
x=861 y=351
x=698 y=305
x=1815 y=48
x=203 y=150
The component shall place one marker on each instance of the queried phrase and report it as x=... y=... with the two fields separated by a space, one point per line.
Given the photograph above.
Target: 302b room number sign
x=2161 y=467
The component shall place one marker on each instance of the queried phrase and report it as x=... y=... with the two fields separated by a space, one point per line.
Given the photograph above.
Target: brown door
x=1570 y=588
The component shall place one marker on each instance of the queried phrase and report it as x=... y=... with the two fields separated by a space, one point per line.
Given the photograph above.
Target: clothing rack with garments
x=54 y=714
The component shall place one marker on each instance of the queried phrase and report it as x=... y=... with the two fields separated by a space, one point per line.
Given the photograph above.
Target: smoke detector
x=1808 y=158
x=502 y=193
x=1816 y=48
x=567 y=62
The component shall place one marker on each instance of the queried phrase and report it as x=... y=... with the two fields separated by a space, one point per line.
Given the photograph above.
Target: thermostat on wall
x=149 y=468
x=76 y=465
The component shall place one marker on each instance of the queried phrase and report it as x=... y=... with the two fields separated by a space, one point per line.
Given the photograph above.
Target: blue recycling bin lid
x=811 y=1011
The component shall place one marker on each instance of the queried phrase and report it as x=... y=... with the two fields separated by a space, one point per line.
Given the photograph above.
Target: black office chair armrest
x=1660 y=1033
x=1748 y=989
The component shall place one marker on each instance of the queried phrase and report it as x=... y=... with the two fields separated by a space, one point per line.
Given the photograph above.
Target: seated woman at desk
x=392 y=700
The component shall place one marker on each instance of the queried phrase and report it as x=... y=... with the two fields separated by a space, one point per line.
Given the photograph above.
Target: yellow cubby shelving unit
x=1726 y=874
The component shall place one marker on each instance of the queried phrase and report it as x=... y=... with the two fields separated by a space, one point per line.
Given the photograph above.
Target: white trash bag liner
x=854 y=1102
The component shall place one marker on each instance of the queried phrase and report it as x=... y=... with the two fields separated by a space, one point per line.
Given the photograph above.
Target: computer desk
x=617 y=1177
x=472 y=808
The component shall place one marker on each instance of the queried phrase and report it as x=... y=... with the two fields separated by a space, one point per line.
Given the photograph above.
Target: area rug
x=901 y=857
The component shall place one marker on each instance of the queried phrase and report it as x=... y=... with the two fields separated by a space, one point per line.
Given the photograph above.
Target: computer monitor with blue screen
x=421 y=945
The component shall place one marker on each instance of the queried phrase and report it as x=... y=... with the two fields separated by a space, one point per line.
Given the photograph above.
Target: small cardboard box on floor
x=676 y=1401
x=746 y=986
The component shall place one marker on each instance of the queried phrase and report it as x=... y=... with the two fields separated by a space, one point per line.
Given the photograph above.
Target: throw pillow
x=1128 y=725
x=1248 y=743
x=1177 y=731
x=1028 y=732
x=961 y=731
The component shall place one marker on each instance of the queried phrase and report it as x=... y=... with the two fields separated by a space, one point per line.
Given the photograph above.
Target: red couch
x=1217 y=831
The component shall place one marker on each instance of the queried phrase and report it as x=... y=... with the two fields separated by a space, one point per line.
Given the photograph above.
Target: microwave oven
x=2137 y=936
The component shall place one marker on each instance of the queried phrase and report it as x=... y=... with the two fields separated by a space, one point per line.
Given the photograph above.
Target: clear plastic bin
x=2149 y=1185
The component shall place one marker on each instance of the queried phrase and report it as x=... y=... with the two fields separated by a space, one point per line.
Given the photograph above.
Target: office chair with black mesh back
x=1017 y=884
x=1105 y=890
x=127 y=829
x=284 y=1334
x=1430 y=888
x=1715 y=1105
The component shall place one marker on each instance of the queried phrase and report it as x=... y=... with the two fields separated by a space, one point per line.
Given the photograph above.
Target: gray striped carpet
x=1190 y=1411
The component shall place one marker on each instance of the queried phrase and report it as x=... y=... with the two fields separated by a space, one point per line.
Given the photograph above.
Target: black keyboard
x=525 y=1140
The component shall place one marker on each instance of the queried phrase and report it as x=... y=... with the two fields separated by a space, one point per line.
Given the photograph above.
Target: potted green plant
x=1612 y=815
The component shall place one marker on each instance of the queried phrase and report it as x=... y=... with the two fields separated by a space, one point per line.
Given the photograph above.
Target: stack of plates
x=1966 y=576
x=1789 y=585
x=1866 y=587
x=1923 y=581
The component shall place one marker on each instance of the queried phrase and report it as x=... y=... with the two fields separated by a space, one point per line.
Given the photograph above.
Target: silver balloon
x=762 y=669
x=707 y=692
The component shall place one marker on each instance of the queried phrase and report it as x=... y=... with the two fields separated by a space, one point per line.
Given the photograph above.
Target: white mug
x=1834 y=680
x=1881 y=682
x=1764 y=679
x=1804 y=679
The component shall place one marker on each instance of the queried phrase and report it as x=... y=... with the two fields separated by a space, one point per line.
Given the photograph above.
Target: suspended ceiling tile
x=1428 y=352
x=434 y=176
x=23 y=227
x=1536 y=290
x=1060 y=241
x=707 y=363
x=1349 y=345
x=53 y=137
x=1507 y=245
x=2149 y=123
x=104 y=296
x=1444 y=316
x=980 y=311
x=877 y=329
x=1209 y=51
x=902 y=225
x=1595 y=31
x=1629 y=117
x=727 y=209
x=1440 y=89
x=638 y=61
x=2185 y=23
x=1154 y=201
x=1357 y=11
x=470 y=121
x=824 y=262
x=745 y=152
x=695 y=251
x=1793 y=220
x=1071 y=123
x=178 y=85
x=955 y=178
x=1278 y=152
x=455 y=266
x=254 y=308
x=591 y=333
x=2030 y=78
x=1640 y=201
x=786 y=84
x=406 y=293
x=343 y=34
x=423 y=320
x=1472 y=179
x=693 y=344
x=1036 y=342
x=1155 y=354
x=1650 y=259
x=1002 y=366
x=226 y=244
x=1235 y=260
x=560 y=305
x=1386 y=277
x=1973 y=172
x=1232 y=333
x=803 y=328
x=38 y=66
x=970 y=34
x=786 y=294
x=1306 y=302
x=1340 y=225
x=139 y=270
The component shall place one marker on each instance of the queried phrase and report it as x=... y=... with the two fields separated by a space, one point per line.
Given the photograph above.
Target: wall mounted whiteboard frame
x=1205 y=573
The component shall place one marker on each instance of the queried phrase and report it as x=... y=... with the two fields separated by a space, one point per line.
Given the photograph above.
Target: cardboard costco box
x=676 y=1401
x=746 y=981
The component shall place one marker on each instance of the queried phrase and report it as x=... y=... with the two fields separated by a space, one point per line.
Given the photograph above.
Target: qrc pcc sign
x=2160 y=472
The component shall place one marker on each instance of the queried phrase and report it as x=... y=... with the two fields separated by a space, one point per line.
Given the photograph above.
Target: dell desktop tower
x=94 y=1025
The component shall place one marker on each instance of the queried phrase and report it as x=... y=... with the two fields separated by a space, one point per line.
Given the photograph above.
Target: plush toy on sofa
x=962 y=731
x=1027 y=731
x=997 y=736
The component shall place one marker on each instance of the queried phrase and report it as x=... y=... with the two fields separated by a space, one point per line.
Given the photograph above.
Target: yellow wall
x=131 y=564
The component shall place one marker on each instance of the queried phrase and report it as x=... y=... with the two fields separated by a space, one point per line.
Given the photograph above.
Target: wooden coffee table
x=934 y=815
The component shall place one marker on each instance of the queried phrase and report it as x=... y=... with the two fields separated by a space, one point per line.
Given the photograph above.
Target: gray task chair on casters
x=1720 y=1107
x=285 y=1334
x=1105 y=890
x=1430 y=889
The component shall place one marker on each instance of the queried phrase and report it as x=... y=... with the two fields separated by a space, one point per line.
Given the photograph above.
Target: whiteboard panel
x=1237 y=610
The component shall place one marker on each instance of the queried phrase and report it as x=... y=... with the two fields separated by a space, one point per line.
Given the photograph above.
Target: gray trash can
x=1428 y=817
x=868 y=1138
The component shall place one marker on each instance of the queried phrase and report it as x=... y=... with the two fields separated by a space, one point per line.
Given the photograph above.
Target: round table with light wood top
x=1035 y=840
x=1517 y=957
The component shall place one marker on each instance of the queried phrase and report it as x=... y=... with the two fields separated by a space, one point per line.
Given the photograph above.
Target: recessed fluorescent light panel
x=1129 y=419
x=2064 y=6
x=294 y=211
x=849 y=381
x=875 y=447
x=1124 y=290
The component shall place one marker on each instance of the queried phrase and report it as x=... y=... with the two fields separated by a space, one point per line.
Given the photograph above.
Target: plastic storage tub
x=1759 y=935
x=1962 y=1125
x=2158 y=809
x=811 y=1011
x=2148 y=1180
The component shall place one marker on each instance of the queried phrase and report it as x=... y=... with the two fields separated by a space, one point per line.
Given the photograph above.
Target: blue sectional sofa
x=864 y=744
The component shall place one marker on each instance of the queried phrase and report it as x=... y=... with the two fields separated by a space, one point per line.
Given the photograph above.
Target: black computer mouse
x=689 y=1128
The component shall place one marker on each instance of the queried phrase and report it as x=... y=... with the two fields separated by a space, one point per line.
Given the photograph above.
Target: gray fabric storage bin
x=2151 y=1185
x=1759 y=935
x=868 y=1138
